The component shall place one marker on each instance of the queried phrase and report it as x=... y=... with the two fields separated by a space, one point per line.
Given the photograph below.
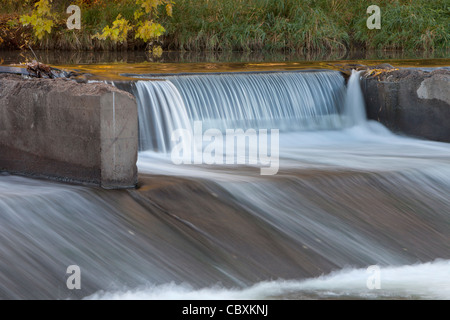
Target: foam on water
x=355 y=143
x=420 y=281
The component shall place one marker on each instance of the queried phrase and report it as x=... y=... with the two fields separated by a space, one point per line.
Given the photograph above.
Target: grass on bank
x=254 y=25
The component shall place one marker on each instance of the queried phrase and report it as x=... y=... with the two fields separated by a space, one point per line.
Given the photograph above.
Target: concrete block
x=411 y=102
x=63 y=130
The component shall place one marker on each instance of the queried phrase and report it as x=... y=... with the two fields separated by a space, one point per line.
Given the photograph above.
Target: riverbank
x=287 y=26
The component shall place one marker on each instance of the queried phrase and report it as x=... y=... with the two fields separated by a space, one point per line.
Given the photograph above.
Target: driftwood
x=346 y=69
x=39 y=70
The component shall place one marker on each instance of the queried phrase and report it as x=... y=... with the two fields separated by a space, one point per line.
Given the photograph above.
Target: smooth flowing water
x=348 y=194
x=291 y=101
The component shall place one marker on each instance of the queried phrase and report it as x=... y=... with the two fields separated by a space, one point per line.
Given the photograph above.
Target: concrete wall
x=411 y=102
x=68 y=131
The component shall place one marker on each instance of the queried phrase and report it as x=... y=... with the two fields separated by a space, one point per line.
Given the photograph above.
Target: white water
x=355 y=100
x=421 y=281
x=366 y=146
x=167 y=113
x=358 y=144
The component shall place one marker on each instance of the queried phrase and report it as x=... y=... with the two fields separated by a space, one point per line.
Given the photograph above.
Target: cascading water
x=349 y=191
x=355 y=100
x=161 y=111
x=349 y=194
x=285 y=101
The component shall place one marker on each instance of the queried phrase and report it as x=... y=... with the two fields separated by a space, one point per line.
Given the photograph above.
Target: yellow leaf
x=169 y=9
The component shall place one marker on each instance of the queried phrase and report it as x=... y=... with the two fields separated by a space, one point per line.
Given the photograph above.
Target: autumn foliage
x=145 y=24
x=227 y=25
x=142 y=26
x=41 y=18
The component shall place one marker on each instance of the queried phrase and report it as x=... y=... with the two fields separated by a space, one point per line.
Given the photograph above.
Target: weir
x=349 y=194
x=303 y=101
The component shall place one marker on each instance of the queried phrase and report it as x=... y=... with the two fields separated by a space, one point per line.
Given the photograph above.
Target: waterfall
x=354 y=100
x=288 y=101
x=161 y=110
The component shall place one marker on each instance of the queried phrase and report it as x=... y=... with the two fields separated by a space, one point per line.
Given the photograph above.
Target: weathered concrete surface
x=68 y=131
x=411 y=101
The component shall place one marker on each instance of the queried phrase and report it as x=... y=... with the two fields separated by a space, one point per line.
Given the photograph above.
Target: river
x=348 y=197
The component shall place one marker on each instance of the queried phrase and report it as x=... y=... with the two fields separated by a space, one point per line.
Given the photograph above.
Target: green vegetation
x=146 y=27
x=243 y=25
x=310 y=24
x=41 y=19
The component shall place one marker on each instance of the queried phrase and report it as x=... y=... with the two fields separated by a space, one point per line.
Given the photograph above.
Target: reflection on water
x=111 y=65
x=124 y=71
x=94 y=57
